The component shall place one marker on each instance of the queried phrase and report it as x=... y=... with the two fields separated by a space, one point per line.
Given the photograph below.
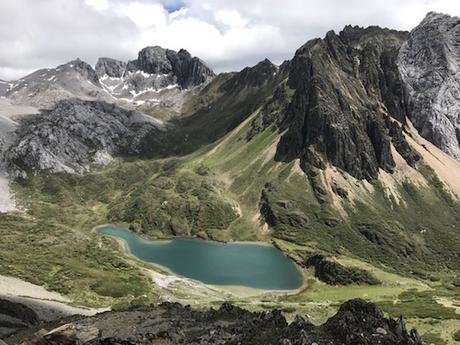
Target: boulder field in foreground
x=357 y=322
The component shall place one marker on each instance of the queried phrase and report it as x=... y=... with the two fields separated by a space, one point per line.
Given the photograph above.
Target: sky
x=228 y=35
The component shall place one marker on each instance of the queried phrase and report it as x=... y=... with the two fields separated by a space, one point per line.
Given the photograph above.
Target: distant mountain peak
x=85 y=69
x=188 y=71
x=156 y=69
x=111 y=67
x=433 y=15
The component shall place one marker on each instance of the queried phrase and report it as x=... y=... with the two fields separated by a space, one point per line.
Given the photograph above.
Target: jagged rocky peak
x=345 y=87
x=252 y=77
x=110 y=67
x=357 y=36
x=188 y=71
x=429 y=63
x=260 y=73
x=153 y=60
x=85 y=70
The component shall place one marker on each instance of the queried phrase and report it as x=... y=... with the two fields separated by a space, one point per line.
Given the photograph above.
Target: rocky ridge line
x=356 y=323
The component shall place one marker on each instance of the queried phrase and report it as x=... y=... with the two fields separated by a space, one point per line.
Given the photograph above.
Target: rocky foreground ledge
x=357 y=322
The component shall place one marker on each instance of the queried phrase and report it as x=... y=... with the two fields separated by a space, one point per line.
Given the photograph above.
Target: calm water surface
x=250 y=265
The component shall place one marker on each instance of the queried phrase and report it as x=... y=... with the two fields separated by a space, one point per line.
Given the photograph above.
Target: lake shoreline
x=237 y=290
x=192 y=238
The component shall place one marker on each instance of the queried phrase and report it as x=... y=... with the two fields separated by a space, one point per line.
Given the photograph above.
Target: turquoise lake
x=237 y=264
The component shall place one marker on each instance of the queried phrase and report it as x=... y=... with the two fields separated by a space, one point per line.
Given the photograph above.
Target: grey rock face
x=429 y=63
x=153 y=60
x=76 y=133
x=85 y=70
x=110 y=67
x=187 y=71
x=190 y=71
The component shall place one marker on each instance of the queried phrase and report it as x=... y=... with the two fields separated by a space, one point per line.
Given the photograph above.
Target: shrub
x=456 y=335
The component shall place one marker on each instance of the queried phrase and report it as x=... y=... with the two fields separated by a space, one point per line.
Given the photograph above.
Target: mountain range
x=351 y=149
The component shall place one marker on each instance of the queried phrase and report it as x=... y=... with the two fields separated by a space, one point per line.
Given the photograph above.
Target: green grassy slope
x=218 y=179
x=235 y=190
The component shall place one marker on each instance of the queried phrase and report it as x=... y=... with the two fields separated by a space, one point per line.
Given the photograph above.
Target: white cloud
x=144 y=15
x=99 y=5
x=227 y=34
x=231 y=18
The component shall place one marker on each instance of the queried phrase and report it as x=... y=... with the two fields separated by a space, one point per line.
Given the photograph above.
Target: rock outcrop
x=345 y=86
x=356 y=323
x=76 y=133
x=429 y=63
x=333 y=273
x=110 y=67
x=14 y=316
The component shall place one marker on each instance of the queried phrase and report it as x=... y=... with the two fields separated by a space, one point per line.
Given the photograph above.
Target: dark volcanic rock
x=357 y=322
x=110 y=67
x=360 y=323
x=344 y=87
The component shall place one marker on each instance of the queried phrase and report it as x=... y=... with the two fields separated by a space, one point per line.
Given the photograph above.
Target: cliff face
x=110 y=67
x=429 y=63
x=357 y=322
x=345 y=88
